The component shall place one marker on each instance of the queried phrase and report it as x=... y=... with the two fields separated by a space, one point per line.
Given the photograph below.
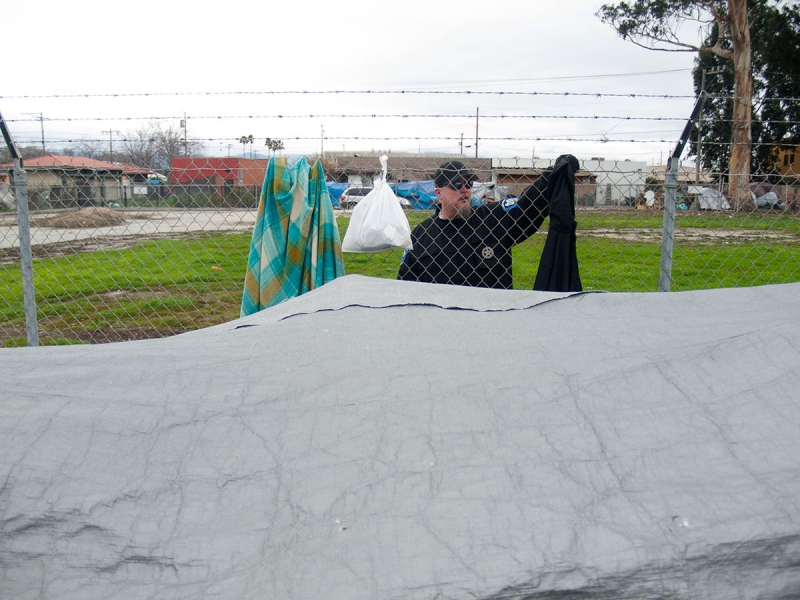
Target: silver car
x=354 y=194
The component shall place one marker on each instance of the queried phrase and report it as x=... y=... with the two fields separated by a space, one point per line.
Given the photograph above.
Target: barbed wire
x=333 y=92
x=351 y=116
x=37 y=140
x=376 y=92
x=378 y=116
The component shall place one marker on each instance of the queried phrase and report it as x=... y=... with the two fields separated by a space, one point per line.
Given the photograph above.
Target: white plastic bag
x=378 y=221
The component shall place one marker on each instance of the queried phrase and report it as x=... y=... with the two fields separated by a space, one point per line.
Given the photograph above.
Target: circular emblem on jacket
x=488 y=252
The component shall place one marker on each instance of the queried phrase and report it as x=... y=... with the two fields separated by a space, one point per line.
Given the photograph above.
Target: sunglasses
x=459 y=185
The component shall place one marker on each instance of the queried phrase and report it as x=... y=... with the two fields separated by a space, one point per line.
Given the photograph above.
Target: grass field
x=163 y=287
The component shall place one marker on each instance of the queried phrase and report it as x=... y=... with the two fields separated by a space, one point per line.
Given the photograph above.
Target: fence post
x=668 y=233
x=671 y=194
x=25 y=253
x=24 y=226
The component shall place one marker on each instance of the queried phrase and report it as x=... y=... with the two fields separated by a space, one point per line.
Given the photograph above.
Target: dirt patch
x=85 y=217
x=103 y=242
x=690 y=234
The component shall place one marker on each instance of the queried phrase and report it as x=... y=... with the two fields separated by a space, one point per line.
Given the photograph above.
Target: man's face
x=456 y=203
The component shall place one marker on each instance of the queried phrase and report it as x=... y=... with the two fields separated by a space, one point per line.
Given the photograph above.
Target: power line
x=546 y=79
x=344 y=92
x=358 y=116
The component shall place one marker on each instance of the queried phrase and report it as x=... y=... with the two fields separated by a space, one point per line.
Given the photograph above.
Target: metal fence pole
x=671 y=194
x=25 y=254
x=668 y=233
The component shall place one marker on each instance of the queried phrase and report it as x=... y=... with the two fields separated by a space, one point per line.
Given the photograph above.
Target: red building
x=221 y=174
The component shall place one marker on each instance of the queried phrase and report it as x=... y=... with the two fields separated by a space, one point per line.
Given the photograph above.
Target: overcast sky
x=217 y=62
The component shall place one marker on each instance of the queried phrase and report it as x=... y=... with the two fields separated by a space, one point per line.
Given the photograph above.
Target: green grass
x=169 y=286
x=166 y=285
x=761 y=221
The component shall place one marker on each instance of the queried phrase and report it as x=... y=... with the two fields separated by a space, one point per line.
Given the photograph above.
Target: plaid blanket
x=295 y=246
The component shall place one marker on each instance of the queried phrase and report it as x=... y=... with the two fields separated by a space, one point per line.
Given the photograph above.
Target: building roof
x=401 y=167
x=685 y=174
x=61 y=161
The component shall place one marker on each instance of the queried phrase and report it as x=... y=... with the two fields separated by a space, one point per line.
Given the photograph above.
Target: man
x=465 y=245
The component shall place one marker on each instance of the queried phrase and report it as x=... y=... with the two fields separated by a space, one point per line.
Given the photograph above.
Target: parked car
x=354 y=194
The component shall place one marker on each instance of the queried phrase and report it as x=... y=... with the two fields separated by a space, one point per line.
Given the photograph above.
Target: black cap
x=450 y=172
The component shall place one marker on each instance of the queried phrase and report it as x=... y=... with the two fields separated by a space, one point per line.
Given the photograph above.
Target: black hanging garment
x=558 y=267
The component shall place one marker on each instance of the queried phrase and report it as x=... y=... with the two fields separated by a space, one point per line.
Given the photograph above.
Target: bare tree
x=656 y=25
x=152 y=146
x=90 y=149
x=140 y=147
x=26 y=151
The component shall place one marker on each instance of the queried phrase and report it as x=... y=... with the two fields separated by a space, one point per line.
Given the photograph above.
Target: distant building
x=364 y=168
x=518 y=173
x=787 y=160
x=60 y=181
x=217 y=176
x=687 y=175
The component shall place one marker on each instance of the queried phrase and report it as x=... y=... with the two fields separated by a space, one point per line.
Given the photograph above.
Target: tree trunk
x=739 y=167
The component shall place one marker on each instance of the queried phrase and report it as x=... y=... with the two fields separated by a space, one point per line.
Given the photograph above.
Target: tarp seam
x=423 y=304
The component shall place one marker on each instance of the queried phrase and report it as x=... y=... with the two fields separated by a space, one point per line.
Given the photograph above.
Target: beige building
x=787 y=161
x=364 y=168
x=58 y=181
x=686 y=175
x=516 y=174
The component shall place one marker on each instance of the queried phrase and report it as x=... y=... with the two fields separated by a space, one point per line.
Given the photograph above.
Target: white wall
x=616 y=179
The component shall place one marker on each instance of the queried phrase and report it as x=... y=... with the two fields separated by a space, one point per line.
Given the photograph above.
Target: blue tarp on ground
x=336 y=189
x=419 y=193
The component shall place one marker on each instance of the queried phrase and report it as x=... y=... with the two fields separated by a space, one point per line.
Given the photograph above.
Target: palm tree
x=274 y=145
x=244 y=140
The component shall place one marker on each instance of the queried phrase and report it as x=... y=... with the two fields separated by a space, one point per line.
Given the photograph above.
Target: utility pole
x=110 y=133
x=477 y=113
x=322 y=142
x=461 y=145
x=185 y=140
x=700 y=126
x=41 y=120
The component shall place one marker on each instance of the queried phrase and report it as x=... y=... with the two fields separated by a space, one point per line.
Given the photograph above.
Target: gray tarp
x=711 y=199
x=377 y=439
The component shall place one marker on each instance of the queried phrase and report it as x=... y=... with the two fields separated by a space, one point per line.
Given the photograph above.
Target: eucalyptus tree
x=671 y=26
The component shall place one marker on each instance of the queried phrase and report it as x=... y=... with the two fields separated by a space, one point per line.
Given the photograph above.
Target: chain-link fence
x=125 y=251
